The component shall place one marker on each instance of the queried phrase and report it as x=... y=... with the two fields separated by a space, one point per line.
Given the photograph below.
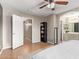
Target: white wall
x=50 y=28
x=7 y=13
x=52 y=21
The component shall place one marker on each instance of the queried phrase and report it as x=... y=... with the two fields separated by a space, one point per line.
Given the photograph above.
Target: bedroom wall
x=52 y=22
x=50 y=29
x=8 y=11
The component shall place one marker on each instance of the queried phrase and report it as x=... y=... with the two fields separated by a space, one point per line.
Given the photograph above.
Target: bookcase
x=43 y=31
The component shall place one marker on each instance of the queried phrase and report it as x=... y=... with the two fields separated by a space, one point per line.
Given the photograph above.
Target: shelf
x=43 y=31
x=41 y=24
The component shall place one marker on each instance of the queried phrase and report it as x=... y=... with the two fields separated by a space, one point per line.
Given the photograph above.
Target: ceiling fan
x=51 y=3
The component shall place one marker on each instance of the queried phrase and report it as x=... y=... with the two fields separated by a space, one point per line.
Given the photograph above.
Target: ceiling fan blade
x=45 y=0
x=43 y=6
x=50 y=1
x=61 y=2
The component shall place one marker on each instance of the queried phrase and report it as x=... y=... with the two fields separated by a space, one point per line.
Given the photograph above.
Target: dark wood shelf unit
x=43 y=31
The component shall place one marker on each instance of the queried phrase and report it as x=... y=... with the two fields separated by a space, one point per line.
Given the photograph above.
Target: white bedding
x=65 y=50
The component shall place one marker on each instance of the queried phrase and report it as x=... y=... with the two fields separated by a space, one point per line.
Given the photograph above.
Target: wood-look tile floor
x=27 y=48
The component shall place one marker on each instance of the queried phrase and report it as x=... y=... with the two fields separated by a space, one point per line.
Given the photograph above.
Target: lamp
x=52 y=5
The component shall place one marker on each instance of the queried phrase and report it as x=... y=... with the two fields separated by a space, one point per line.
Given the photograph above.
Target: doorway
x=70 y=26
x=28 y=31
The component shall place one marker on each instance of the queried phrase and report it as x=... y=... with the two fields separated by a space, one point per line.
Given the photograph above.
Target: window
x=76 y=27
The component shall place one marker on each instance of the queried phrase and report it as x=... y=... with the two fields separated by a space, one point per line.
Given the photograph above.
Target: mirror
x=1 y=17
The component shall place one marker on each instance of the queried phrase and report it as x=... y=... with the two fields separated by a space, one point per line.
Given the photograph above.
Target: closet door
x=17 y=31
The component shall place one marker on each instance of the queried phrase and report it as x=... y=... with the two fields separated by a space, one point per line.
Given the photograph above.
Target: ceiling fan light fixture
x=52 y=5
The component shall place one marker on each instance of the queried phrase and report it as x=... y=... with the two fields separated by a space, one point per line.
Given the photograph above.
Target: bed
x=65 y=50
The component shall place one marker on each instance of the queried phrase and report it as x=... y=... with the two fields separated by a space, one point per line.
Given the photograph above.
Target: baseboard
x=36 y=42
x=1 y=51
x=6 y=47
x=50 y=42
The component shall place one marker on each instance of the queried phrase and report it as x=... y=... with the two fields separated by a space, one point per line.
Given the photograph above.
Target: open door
x=17 y=31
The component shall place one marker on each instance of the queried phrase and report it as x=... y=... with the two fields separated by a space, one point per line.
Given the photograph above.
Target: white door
x=17 y=31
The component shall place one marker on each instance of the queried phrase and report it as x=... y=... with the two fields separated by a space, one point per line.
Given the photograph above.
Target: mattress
x=65 y=50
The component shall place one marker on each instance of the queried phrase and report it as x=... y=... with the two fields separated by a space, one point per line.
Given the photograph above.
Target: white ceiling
x=32 y=6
